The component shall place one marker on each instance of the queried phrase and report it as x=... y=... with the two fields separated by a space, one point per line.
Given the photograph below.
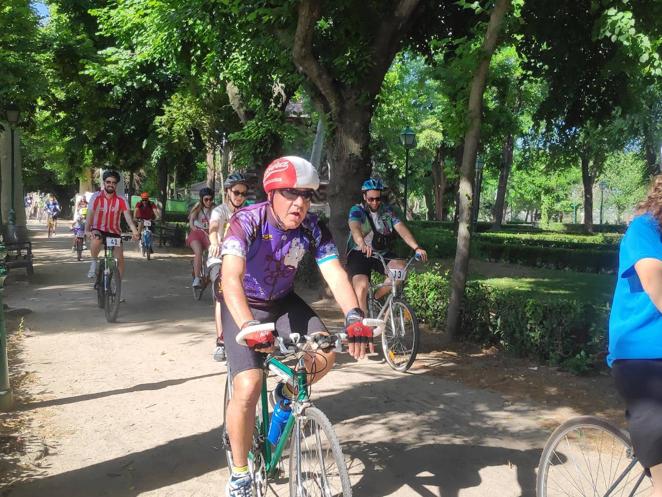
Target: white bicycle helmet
x=290 y=172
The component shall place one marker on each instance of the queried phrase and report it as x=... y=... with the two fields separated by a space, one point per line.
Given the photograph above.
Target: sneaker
x=240 y=486
x=219 y=353
x=93 y=270
x=196 y=282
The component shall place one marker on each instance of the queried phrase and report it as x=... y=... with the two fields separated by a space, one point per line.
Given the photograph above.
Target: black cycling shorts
x=358 y=263
x=291 y=314
x=640 y=383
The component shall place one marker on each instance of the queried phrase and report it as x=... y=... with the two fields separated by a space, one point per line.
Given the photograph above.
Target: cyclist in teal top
x=635 y=332
x=373 y=226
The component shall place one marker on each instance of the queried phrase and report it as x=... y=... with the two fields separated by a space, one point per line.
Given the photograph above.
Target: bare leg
x=656 y=473
x=119 y=253
x=360 y=282
x=241 y=413
x=217 y=318
x=196 y=246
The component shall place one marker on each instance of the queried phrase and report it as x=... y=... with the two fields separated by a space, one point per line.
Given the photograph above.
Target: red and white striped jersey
x=107 y=212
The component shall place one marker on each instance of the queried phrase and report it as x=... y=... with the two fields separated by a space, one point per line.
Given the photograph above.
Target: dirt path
x=134 y=408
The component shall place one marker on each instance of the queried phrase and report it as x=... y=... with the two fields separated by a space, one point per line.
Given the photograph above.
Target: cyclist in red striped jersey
x=103 y=219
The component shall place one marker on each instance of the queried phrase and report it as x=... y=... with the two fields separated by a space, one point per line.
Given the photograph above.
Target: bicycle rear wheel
x=101 y=294
x=588 y=456
x=401 y=336
x=317 y=464
x=113 y=294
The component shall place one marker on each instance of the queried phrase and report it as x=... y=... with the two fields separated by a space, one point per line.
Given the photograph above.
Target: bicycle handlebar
x=380 y=258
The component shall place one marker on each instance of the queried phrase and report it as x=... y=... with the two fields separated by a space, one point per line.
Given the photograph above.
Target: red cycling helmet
x=290 y=172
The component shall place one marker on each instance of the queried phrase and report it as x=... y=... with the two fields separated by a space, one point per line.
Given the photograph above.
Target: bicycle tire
x=113 y=295
x=101 y=294
x=400 y=339
x=225 y=437
x=579 y=445
x=198 y=291
x=309 y=477
x=148 y=252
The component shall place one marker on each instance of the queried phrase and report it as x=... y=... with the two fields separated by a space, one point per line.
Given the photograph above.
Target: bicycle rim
x=317 y=464
x=113 y=295
x=79 y=249
x=587 y=456
x=401 y=336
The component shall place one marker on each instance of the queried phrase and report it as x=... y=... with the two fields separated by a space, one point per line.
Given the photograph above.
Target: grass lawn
x=542 y=283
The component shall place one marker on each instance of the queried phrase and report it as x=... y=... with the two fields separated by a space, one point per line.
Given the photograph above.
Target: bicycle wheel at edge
x=101 y=296
x=113 y=295
x=400 y=339
x=585 y=456
x=317 y=464
x=79 y=248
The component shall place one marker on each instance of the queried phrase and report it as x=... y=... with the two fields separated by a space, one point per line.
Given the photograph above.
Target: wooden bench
x=19 y=255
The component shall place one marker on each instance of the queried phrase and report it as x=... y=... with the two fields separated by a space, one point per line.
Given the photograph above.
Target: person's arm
x=191 y=220
x=409 y=239
x=232 y=284
x=214 y=248
x=129 y=221
x=88 y=219
x=357 y=236
x=136 y=211
x=649 y=271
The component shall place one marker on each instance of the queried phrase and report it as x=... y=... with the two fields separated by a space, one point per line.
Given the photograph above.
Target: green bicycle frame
x=298 y=378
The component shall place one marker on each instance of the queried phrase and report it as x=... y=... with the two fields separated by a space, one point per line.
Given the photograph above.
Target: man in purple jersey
x=261 y=252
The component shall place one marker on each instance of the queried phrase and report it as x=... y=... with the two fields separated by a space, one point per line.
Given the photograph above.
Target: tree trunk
x=506 y=164
x=467 y=171
x=587 y=179
x=210 y=159
x=429 y=205
x=162 y=167
x=439 y=183
x=348 y=150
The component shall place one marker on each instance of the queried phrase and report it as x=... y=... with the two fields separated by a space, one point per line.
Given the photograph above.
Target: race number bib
x=113 y=242
x=147 y=223
x=397 y=274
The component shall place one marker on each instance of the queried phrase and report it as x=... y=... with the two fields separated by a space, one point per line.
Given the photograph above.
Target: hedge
x=586 y=253
x=557 y=331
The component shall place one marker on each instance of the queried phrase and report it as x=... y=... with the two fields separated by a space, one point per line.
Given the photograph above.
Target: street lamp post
x=408 y=140
x=603 y=186
x=478 y=184
x=12 y=113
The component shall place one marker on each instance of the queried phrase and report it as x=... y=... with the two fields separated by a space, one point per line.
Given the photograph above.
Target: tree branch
x=387 y=42
x=304 y=59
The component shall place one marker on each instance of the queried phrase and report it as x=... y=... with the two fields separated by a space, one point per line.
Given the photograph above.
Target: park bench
x=19 y=255
x=170 y=234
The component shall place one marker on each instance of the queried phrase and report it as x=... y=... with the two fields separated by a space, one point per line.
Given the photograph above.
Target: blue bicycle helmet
x=372 y=184
x=235 y=179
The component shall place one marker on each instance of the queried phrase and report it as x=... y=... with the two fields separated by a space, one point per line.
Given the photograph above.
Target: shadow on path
x=129 y=476
x=91 y=396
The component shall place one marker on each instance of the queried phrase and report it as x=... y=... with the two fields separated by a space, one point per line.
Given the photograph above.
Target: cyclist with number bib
x=145 y=210
x=635 y=327
x=198 y=237
x=373 y=226
x=236 y=190
x=261 y=252
x=103 y=219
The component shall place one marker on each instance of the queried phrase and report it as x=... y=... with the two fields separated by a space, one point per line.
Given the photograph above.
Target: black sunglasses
x=293 y=193
x=207 y=199
x=373 y=199
x=237 y=193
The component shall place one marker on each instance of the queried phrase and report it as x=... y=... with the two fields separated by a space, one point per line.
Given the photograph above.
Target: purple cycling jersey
x=272 y=254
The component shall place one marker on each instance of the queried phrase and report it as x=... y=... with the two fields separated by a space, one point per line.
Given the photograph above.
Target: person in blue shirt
x=635 y=331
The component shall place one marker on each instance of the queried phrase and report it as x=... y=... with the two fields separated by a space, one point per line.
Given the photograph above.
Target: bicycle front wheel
x=79 y=248
x=113 y=293
x=401 y=336
x=101 y=294
x=317 y=464
x=588 y=456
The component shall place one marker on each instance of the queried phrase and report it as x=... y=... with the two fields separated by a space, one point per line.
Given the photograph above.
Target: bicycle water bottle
x=279 y=418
